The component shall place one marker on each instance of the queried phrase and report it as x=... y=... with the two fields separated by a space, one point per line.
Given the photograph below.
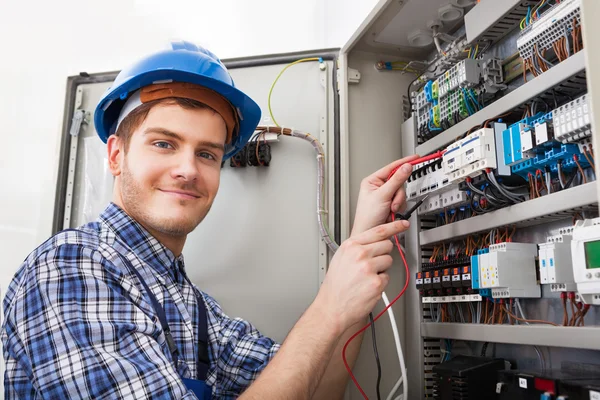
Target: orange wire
x=585 y=153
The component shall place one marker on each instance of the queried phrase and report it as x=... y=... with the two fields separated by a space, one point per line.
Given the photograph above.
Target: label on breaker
x=446 y=278
x=594 y=395
x=427 y=280
x=436 y=280
x=466 y=277
x=419 y=281
x=523 y=383
x=455 y=278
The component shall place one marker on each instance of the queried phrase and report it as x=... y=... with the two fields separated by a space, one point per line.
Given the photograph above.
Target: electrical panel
x=501 y=107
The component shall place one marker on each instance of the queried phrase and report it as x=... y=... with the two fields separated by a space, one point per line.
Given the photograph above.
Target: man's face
x=169 y=176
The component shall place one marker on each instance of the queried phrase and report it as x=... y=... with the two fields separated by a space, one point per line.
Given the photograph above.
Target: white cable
x=401 y=380
x=521 y=311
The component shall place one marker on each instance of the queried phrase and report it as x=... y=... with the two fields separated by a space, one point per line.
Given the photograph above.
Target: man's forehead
x=198 y=124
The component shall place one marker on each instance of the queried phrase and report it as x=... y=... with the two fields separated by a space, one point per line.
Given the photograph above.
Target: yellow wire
x=476 y=50
x=537 y=8
x=279 y=76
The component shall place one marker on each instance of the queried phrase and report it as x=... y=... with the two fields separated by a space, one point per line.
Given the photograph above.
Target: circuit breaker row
x=566 y=262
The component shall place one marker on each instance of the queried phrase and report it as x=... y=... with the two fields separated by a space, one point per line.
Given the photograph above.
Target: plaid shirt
x=79 y=325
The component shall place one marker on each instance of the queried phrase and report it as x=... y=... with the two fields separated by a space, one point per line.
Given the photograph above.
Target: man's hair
x=135 y=118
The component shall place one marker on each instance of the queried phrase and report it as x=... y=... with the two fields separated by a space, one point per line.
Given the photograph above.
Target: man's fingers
x=399 y=201
x=396 y=181
x=382 y=263
x=382 y=232
x=384 y=172
x=379 y=248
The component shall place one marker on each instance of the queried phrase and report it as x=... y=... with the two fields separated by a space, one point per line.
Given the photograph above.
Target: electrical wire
x=279 y=76
x=579 y=168
x=537 y=321
x=321 y=209
x=378 y=362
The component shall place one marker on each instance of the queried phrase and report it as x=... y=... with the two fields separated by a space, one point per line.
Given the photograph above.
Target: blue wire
x=469 y=109
x=528 y=16
x=474 y=99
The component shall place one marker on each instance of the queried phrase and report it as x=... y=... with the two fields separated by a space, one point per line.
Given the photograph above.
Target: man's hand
x=377 y=198
x=357 y=275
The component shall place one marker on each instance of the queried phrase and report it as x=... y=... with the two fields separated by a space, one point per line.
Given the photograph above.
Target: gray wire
x=460 y=312
x=502 y=189
x=541 y=358
x=474 y=189
x=472 y=312
x=548 y=181
x=560 y=179
x=513 y=196
x=537 y=49
x=567 y=40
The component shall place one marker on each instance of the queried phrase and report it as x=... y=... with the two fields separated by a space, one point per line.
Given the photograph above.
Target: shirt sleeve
x=240 y=352
x=75 y=328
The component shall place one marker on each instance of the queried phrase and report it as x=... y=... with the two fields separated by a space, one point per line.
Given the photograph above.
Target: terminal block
x=466 y=73
x=572 y=121
x=492 y=75
x=553 y=24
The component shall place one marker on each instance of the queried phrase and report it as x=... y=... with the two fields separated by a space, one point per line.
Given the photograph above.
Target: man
x=107 y=310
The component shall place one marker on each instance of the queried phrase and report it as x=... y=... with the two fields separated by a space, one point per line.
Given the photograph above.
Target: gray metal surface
x=540 y=335
x=491 y=20
x=571 y=66
x=92 y=185
x=531 y=212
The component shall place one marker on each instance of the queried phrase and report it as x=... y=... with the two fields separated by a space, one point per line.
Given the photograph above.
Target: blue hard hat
x=185 y=62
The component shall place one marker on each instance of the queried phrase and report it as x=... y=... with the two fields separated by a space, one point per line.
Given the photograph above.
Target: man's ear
x=116 y=151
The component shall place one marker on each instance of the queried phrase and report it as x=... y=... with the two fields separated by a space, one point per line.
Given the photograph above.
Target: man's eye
x=163 y=145
x=206 y=155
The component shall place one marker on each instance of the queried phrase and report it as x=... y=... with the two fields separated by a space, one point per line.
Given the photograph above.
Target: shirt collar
x=139 y=240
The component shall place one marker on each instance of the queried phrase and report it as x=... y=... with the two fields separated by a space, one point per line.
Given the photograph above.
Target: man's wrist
x=331 y=321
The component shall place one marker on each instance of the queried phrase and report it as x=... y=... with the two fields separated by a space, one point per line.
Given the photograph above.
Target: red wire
x=375 y=319
x=433 y=156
